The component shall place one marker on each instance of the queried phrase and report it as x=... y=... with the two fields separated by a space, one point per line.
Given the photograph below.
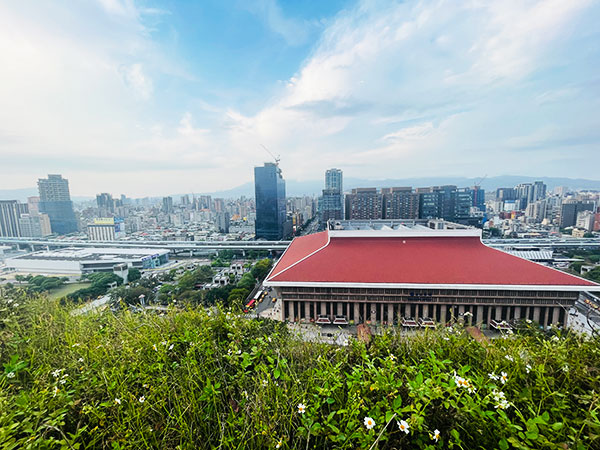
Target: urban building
x=167 y=205
x=222 y=220
x=55 y=201
x=405 y=271
x=585 y=220
x=364 y=204
x=33 y=205
x=569 y=210
x=10 y=211
x=504 y=194
x=269 y=188
x=87 y=260
x=106 y=229
x=478 y=196
x=331 y=202
x=400 y=203
x=35 y=225
x=106 y=204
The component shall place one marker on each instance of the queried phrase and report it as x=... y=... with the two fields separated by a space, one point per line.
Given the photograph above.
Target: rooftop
x=92 y=254
x=412 y=257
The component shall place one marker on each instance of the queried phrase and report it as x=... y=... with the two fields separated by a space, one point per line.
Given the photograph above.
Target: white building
x=585 y=220
x=87 y=260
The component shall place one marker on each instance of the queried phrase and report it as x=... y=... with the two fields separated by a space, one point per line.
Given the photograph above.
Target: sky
x=153 y=97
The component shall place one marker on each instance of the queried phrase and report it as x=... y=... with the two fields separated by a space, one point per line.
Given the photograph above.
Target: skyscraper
x=55 y=201
x=364 y=204
x=106 y=204
x=269 y=190
x=331 y=202
x=10 y=211
x=167 y=205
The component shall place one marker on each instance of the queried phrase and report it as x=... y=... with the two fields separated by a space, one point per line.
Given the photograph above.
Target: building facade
x=417 y=270
x=269 y=190
x=400 y=203
x=10 y=212
x=364 y=204
x=55 y=201
x=332 y=202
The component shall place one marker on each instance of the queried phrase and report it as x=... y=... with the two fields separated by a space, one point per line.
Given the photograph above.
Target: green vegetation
x=66 y=290
x=133 y=275
x=100 y=284
x=588 y=257
x=41 y=283
x=197 y=379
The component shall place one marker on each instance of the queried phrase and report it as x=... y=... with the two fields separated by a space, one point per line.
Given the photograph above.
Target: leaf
x=276 y=373
x=503 y=444
x=455 y=434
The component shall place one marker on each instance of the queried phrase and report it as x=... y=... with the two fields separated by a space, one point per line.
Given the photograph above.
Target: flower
x=117 y=401
x=493 y=376
x=369 y=423
x=403 y=425
x=10 y=375
x=503 y=377
x=146 y=385
x=154 y=347
x=164 y=342
x=171 y=346
x=56 y=391
x=510 y=358
x=528 y=321
x=301 y=408
x=565 y=368
x=63 y=381
x=436 y=435
x=56 y=373
x=528 y=368
x=555 y=338
x=500 y=399
x=279 y=443
x=392 y=357
x=80 y=360
x=265 y=382
x=142 y=399
x=464 y=383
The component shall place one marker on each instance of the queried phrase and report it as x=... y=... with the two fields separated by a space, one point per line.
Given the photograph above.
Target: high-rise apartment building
x=269 y=190
x=106 y=204
x=331 y=202
x=35 y=225
x=400 y=203
x=55 y=201
x=364 y=204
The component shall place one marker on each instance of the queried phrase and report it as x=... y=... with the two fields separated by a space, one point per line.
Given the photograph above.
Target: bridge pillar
x=191 y=253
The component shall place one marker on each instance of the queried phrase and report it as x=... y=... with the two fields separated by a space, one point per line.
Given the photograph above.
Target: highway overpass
x=182 y=246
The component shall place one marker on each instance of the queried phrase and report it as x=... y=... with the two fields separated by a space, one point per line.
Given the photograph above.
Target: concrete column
x=555 y=315
x=433 y=313
x=536 y=313
x=356 y=313
x=517 y=312
x=489 y=315
x=480 y=318
x=461 y=310
x=443 y=318
x=425 y=310
x=545 y=317
x=307 y=310
x=291 y=311
x=390 y=309
x=527 y=310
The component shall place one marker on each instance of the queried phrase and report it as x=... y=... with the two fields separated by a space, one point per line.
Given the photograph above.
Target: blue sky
x=150 y=97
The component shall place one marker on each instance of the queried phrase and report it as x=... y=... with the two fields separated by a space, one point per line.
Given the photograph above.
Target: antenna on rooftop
x=276 y=158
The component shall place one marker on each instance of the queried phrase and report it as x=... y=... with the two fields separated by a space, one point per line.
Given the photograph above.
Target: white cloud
x=135 y=78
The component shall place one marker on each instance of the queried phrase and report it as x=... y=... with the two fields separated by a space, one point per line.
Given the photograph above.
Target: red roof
x=410 y=260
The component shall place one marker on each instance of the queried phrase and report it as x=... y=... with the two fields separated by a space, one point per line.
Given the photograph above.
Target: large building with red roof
x=401 y=272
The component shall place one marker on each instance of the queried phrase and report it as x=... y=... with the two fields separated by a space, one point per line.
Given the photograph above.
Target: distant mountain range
x=296 y=188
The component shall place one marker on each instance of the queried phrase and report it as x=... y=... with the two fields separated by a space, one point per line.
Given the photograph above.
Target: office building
x=106 y=229
x=55 y=201
x=504 y=194
x=222 y=222
x=585 y=220
x=167 y=205
x=10 y=211
x=569 y=210
x=478 y=195
x=415 y=272
x=33 y=205
x=269 y=189
x=364 y=204
x=331 y=203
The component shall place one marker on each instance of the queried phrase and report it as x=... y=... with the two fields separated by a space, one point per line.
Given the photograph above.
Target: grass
x=211 y=379
x=66 y=290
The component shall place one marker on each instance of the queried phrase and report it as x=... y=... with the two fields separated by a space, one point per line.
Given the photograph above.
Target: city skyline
x=153 y=98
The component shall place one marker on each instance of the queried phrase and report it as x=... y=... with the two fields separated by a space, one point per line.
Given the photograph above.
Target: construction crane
x=478 y=184
x=276 y=158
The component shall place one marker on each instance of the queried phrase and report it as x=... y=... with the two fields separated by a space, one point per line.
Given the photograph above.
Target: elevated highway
x=182 y=246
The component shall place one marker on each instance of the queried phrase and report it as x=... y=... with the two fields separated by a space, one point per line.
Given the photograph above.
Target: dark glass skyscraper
x=269 y=189
x=55 y=201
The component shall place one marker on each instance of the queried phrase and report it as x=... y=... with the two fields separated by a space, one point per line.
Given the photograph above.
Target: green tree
x=247 y=281
x=133 y=275
x=261 y=269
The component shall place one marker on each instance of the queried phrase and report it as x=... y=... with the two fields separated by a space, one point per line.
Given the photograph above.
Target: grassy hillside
x=192 y=379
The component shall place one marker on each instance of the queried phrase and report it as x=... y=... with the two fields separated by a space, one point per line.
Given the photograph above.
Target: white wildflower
x=142 y=399
x=10 y=375
x=56 y=373
x=80 y=360
x=503 y=377
x=117 y=401
x=436 y=435
x=493 y=376
x=301 y=408
x=403 y=425
x=369 y=423
x=171 y=346
x=528 y=368
x=510 y=358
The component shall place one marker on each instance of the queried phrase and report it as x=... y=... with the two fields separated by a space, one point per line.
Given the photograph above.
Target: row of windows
x=380 y=299
x=431 y=292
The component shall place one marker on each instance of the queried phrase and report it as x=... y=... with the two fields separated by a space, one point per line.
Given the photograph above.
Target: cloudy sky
x=154 y=97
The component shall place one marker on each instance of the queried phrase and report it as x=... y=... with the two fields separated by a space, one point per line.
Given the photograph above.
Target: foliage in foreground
x=194 y=379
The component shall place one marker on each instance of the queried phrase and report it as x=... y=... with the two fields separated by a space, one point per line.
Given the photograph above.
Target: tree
x=133 y=275
x=131 y=295
x=247 y=281
x=261 y=269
